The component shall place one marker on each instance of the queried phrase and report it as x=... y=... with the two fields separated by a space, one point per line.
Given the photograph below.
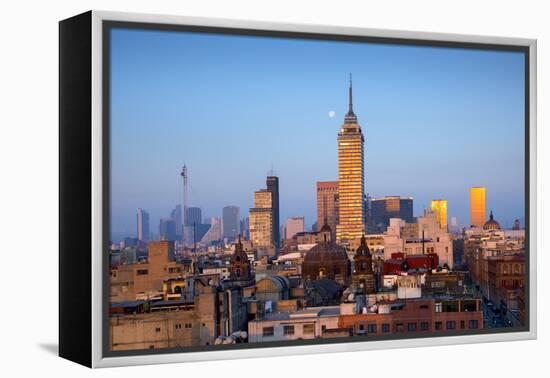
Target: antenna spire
x=350 y=117
x=350 y=110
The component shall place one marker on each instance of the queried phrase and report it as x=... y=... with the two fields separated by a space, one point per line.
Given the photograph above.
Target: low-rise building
x=415 y=316
x=310 y=323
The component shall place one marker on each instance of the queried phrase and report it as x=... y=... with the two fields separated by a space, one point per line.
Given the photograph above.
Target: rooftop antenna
x=271 y=171
x=350 y=93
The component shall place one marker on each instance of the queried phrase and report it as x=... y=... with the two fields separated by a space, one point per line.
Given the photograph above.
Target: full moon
x=331 y=114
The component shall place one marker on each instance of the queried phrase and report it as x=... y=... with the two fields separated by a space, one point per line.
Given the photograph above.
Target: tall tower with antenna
x=185 y=196
x=351 y=177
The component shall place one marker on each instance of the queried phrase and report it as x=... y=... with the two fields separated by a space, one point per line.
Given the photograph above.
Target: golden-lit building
x=261 y=219
x=351 y=178
x=439 y=207
x=327 y=204
x=477 y=206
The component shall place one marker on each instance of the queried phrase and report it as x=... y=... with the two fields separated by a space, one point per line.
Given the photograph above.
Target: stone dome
x=326 y=260
x=491 y=224
x=327 y=253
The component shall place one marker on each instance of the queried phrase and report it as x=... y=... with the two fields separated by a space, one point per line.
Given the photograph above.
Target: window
x=438 y=307
x=411 y=327
x=385 y=328
x=288 y=330
x=438 y=326
x=174 y=270
x=371 y=328
x=450 y=306
x=451 y=324
x=462 y=324
x=425 y=326
x=188 y=325
x=423 y=306
x=309 y=329
x=268 y=331
x=399 y=327
x=177 y=326
x=157 y=329
x=142 y=272
x=472 y=324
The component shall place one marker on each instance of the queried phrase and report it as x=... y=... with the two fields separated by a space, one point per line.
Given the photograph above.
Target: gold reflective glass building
x=439 y=207
x=477 y=206
x=351 y=180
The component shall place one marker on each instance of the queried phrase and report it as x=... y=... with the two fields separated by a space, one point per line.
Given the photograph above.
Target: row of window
x=308 y=329
x=178 y=326
x=424 y=326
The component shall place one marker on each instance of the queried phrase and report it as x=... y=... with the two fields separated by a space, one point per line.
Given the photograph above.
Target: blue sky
x=436 y=122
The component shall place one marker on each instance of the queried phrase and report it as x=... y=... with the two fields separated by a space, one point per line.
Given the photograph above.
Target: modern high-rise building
x=272 y=184
x=143 y=225
x=327 y=204
x=214 y=232
x=351 y=177
x=439 y=207
x=245 y=228
x=231 y=221
x=293 y=226
x=167 y=229
x=384 y=208
x=194 y=228
x=477 y=206
x=194 y=216
x=261 y=219
x=177 y=216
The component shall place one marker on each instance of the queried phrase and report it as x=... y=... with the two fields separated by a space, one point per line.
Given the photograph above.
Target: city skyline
x=148 y=168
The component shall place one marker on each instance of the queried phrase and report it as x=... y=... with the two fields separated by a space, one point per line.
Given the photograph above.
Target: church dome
x=491 y=224
x=327 y=253
x=326 y=260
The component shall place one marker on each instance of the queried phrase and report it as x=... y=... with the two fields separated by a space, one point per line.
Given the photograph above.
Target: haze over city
x=436 y=122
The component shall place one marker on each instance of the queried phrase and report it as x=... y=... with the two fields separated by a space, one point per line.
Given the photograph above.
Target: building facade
x=351 y=178
x=167 y=229
x=477 y=206
x=231 y=221
x=385 y=208
x=439 y=207
x=261 y=219
x=416 y=316
x=293 y=226
x=177 y=216
x=272 y=185
x=143 y=231
x=327 y=204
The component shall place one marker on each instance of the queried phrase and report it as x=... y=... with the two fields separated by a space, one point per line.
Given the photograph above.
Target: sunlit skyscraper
x=439 y=207
x=327 y=204
x=477 y=206
x=351 y=177
x=261 y=219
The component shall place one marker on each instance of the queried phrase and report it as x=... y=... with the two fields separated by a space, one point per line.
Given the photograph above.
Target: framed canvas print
x=233 y=189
